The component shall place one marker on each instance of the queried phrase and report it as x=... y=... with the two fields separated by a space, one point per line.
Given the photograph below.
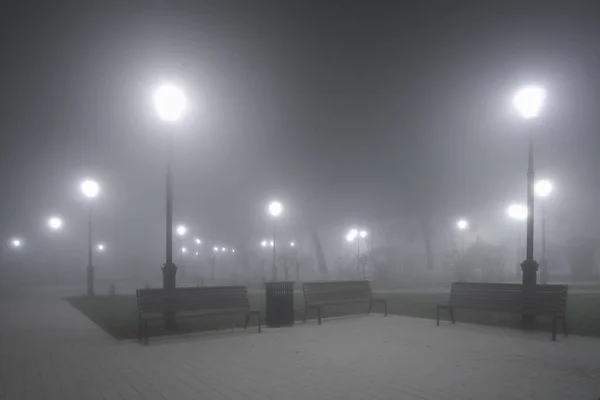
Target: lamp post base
x=169 y=272
x=529 y=268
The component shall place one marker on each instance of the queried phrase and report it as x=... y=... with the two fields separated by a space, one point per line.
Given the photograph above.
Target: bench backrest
x=205 y=298
x=334 y=291
x=509 y=297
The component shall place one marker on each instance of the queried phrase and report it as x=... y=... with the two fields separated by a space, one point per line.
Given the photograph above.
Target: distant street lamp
x=462 y=225
x=55 y=223
x=181 y=231
x=90 y=189
x=292 y=244
x=101 y=247
x=198 y=241
x=170 y=104
x=355 y=235
x=275 y=209
x=16 y=243
x=528 y=101
x=543 y=188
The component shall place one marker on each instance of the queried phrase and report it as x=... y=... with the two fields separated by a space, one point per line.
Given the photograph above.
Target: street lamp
x=528 y=102
x=292 y=244
x=90 y=189
x=169 y=103
x=462 y=225
x=198 y=241
x=16 y=243
x=275 y=209
x=55 y=223
x=543 y=188
x=355 y=234
x=101 y=247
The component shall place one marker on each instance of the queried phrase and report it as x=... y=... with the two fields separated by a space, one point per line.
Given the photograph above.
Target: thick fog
x=397 y=120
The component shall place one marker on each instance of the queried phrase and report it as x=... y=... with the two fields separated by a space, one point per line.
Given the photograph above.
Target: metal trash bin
x=279 y=298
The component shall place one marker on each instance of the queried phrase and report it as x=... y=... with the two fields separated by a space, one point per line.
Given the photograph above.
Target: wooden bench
x=191 y=302
x=319 y=294
x=545 y=300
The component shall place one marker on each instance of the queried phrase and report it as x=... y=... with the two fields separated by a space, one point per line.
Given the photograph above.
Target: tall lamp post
x=275 y=209
x=543 y=188
x=462 y=225
x=90 y=189
x=528 y=101
x=169 y=103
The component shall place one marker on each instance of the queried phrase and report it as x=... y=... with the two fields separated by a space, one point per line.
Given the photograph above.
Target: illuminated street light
x=462 y=224
x=263 y=243
x=292 y=244
x=528 y=101
x=101 y=247
x=363 y=234
x=224 y=249
x=90 y=189
x=272 y=243
x=517 y=212
x=355 y=234
x=543 y=188
x=198 y=241
x=183 y=250
x=351 y=235
x=181 y=230
x=275 y=208
x=196 y=253
x=55 y=223
x=215 y=249
x=169 y=102
x=16 y=243
x=233 y=250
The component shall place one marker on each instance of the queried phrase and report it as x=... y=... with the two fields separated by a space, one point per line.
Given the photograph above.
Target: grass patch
x=117 y=315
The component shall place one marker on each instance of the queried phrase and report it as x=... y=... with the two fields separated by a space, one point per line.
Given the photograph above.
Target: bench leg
x=554 y=329
x=319 y=314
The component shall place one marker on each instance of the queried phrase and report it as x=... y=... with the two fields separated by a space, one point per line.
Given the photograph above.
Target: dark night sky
x=344 y=110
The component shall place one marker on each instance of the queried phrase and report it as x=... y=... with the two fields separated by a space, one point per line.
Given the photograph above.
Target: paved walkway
x=50 y=351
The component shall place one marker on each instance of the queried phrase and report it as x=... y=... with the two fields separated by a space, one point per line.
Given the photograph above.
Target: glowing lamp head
x=55 y=223
x=196 y=253
x=263 y=243
x=517 y=211
x=272 y=243
x=543 y=188
x=529 y=100
x=224 y=249
x=292 y=244
x=198 y=241
x=169 y=102
x=215 y=249
x=16 y=242
x=183 y=250
x=275 y=208
x=89 y=188
x=462 y=224
x=363 y=234
x=351 y=235
x=101 y=247
x=233 y=250
x=181 y=230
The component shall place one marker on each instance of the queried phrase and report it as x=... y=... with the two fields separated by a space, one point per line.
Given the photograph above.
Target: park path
x=50 y=351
